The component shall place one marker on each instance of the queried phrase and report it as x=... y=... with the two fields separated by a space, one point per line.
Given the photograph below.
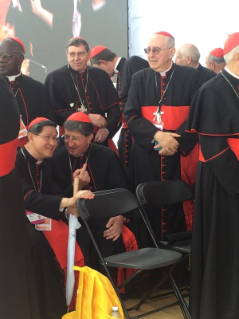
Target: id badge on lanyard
x=157 y=121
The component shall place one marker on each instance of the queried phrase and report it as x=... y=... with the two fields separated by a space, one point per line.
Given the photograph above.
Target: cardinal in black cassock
x=214 y=115
x=17 y=288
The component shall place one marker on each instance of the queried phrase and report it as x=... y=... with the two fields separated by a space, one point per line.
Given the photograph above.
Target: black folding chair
x=115 y=202
x=164 y=193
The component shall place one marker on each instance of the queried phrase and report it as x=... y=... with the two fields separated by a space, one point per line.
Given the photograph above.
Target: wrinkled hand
x=114 y=227
x=72 y=210
x=83 y=176
x=98 y=120
x=36 y=6
x=101 y=135
x=168 y=142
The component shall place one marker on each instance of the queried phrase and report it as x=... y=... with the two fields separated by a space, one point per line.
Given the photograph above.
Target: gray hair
x=76 y=42
x=190 y=50
x=170 y=42
x=212 y=58
x=229 y=56
x=75 y=126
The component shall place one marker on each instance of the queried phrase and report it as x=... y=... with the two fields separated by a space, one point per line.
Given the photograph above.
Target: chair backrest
x=108 y=203
x=163 y=193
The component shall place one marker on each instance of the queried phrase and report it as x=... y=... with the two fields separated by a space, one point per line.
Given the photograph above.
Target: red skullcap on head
x=37 y=120
x=19 y=42
x=166 y=34
x=96 y=50
x=80 y=117
x=218 y=53
x=231 y=42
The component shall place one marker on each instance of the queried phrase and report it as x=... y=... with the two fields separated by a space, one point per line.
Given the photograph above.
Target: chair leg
x=180 y=299
x=147 y=296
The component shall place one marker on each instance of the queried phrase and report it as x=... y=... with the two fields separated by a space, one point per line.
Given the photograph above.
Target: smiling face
x=78 y=57
x=76 y=143
x=44 y=144
x=160 y=60
x=10 y=58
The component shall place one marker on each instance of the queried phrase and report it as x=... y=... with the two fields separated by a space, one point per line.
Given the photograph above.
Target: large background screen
x=45 y=26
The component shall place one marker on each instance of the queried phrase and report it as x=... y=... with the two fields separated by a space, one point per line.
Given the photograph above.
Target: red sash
x=8 y=153
x=233 y=144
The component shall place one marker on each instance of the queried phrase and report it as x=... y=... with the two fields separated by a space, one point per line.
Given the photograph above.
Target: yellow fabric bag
x=95 y=297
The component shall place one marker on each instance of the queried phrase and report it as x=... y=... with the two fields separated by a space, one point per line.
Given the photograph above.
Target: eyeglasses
x=48 y=138
x=74 y=139
x=78 y=54
x=155 y=50
x=6 y=57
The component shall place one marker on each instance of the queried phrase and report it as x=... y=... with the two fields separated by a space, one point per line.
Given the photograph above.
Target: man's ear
x=103 y=62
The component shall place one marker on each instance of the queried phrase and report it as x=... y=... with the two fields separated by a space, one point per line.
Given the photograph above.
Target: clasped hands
x=168 y=142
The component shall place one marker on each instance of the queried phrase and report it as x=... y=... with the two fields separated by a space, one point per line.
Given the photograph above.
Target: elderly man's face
x=76 y=143
x=180 y=59
x=160 y=53
x=10 y=60
x=78 y=57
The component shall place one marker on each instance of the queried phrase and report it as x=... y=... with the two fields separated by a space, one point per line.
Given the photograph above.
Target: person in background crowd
x=78 y=87
x=30 y=94
x=215 y=60
x=189 y=55
x=107 y=60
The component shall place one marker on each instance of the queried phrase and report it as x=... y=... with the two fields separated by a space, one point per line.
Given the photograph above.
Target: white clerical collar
x=116 y=64
x=164 y=72
x=230 y=72
x=38 y=162
x=12 y=78
x=197 y=66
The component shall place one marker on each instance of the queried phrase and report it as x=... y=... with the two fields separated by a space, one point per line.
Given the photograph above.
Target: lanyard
x=30 y=173
x=158 y=113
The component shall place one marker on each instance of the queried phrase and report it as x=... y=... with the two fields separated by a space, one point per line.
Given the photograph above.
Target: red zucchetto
x=19 y=42
x=37 y=120
x=80 y=117
x=231 y=42
x=166 y=34
x=218 y=53
x=96 y=50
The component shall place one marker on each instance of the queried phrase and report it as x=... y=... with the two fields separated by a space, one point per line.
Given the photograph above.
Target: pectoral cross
x=158 y=116
x=82 y=108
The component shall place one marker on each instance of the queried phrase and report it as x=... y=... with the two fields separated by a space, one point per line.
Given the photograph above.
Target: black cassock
x=17 y=282
x=96 y=91
x=126 y=68
x=214 y=115
x=32 y=100
x=146 y=165
x=204 y=75
x=105 y=173
x=38 y=199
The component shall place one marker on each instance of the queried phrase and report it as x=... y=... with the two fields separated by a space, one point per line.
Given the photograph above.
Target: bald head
x=11 y=57
x=188 y=54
